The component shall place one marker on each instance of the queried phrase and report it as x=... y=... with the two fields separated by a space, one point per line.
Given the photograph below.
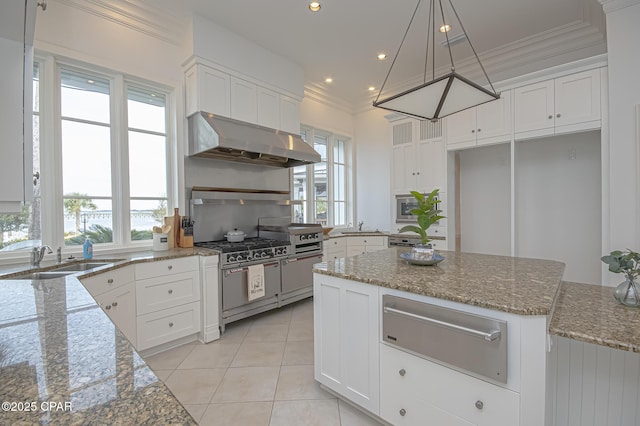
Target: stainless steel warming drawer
x=464 y=341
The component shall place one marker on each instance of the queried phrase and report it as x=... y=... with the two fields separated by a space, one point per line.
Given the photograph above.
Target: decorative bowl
x=434 y=261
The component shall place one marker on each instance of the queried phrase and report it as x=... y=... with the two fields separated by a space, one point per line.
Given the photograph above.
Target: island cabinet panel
x=346 y=339
x=415 y=391
x=120 y=305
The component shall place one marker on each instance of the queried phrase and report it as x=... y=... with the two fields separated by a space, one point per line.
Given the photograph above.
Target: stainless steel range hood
x=213 y=136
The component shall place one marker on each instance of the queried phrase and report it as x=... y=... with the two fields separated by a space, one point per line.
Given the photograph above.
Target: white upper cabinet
x=419 y=156
x=218 y=92
x=485 y=124
x=16 y=50
x=563 y=105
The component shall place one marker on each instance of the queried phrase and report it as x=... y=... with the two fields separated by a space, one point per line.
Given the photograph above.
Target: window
x=322 y=189
x=106 y=171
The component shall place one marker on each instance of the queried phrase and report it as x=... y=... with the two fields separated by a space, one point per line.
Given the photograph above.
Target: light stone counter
x=509 y=284
x=57 y=346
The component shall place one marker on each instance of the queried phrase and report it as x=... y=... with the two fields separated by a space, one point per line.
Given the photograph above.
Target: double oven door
x=234 y=285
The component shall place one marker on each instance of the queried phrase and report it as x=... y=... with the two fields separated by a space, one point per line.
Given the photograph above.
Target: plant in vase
x=625 y=262
x=427 y=213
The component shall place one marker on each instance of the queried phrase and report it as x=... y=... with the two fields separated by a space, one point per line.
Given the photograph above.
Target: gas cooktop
x=248 y=244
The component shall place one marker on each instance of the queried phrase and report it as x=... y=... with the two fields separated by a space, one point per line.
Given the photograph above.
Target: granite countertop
x=58 y=347
x=509 y=284
x=589 y=313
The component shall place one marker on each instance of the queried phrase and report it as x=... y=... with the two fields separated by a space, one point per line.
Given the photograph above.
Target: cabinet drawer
x=333 y=254
x=413 y=389
x=335 y=243
x=172 y=290
x=169 y=324
x=105 y=281
x=366 y=241
x=164 y=267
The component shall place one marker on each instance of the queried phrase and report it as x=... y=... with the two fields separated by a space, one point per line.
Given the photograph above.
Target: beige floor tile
x=267 y=332
x=237 y=414
x=303 y=311
x=350 y=416
x=247 y=384
x=212 y=355
x=322 y=412
x=195 y=386
x=236 y=331
x=296 y=382
x=298 y=353
x=300 y=330
x=163 y=375
x=259 y=354
x=169 y=360
x=196 y=410
x=276 y=316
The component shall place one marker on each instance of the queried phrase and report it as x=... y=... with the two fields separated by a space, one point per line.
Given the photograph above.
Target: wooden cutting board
x=168 y=220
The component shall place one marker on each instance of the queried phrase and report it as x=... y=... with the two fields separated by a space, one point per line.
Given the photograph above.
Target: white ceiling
x=343 y=39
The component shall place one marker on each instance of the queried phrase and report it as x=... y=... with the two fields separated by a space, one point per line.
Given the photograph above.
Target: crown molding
x=319 y=94
x=135 y=15
x=614 y=5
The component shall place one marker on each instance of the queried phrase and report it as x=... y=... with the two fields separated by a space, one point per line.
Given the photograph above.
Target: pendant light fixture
x=441 y=95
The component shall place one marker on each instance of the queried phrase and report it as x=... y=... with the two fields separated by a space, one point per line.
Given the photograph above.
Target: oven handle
x=230 y=271
x=490 y=336
x=319 y=255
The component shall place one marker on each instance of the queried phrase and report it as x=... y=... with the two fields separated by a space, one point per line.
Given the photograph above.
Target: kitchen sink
x=45 y=275
x=362 y=232
x=79 y=267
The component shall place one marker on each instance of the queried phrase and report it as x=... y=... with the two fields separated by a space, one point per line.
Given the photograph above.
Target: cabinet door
x=120 y=306
x=577 y=99
x=346 y=347
x=289 y=115
x=431 y=168
x=461 y=128
x=534 y=109
x=494 y=120
x=268 y=108
x=208 y=90
x=210 y=299
x=354 y=250
x=244 y=101
x=404 y=169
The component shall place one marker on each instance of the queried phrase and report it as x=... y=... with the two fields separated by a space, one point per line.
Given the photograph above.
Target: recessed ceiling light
x=382 y=56
x=371 y=88
x=328 y=80
x=445 y=28
x=314 y=6
x=90 y=81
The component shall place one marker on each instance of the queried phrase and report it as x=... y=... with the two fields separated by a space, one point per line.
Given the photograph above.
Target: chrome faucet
x=360 y=225
x=38 y=253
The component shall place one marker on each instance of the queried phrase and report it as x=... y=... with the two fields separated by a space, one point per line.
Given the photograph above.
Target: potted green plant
x=625 y=262
x=427 y=213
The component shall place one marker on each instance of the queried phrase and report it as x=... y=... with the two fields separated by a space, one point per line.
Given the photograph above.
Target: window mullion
x=119 y=163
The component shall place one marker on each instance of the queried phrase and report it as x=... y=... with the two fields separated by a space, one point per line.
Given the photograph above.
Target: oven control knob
x=263 y=254
x=249 y=257
x=231 y=259
x=239 y=258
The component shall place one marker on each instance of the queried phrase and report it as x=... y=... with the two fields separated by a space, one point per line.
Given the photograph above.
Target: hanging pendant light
x=442 y=95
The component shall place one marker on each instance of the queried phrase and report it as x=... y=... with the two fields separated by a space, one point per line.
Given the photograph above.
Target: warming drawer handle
x=319 y=256
x=489 y=336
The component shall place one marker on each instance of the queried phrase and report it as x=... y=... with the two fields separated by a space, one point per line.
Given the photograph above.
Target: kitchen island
x=63 y=361
x=356 y=360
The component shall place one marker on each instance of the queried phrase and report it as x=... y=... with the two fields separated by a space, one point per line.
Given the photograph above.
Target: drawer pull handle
x=170 y=324
x=489 y=336
x=403 y=412
x=107 y=307
x=110 y=281
x=170 y=267
x=170 y=291
x=402 y=372
x=550 y=117
x=114 y=304
x=479 y=405
x=558 y=115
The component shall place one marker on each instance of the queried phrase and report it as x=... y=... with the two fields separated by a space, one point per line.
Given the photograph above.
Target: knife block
x=185 y=241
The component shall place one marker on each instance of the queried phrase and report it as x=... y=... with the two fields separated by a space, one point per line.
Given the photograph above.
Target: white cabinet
x=563 y=105
x=108 y=280
x=208 y=90
x=16 y=50
x=361 y=245
x=346 y=339
x=334 y=248
x=413 y=389
x=418 y=157
x=168 y=300
x=210 y=299
x=485 y=124
x=120 y=305
x=211 y=90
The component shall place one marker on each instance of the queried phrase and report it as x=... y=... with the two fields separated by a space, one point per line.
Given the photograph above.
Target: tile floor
x=260 y=372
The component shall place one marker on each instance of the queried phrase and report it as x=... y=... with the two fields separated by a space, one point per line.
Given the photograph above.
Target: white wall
x=558 y=203
x=485 y=206
x=323 y=116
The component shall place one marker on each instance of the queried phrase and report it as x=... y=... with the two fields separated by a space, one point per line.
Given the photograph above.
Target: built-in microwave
x=404 y=205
